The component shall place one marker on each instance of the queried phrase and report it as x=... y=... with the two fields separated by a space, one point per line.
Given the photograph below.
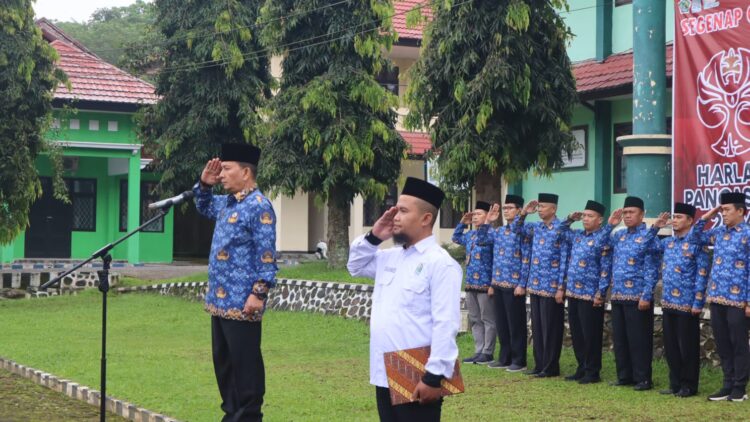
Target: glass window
x=389 y=79
x=83 y=199
x=148 y=195
x=374 y=209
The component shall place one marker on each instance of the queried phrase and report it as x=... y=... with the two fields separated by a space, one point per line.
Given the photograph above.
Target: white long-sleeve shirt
x=416 y=302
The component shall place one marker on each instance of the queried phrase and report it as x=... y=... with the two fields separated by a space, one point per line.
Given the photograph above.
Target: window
x=449 y=216
x=374 y=209
x=83 y=200
x=388 y=78
x=148 y=195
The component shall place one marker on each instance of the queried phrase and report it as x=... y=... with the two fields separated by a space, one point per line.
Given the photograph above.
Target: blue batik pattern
x=588 y=262
x=547 y=268
x=729 y=274
x=243 y=250
x=684 y=273
x=511 y=252
x=635 y=266
x=478 y=259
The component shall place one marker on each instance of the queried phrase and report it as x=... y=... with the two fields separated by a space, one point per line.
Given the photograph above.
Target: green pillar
x=603 y=153
x=648 y=150
x=604 y=9
x=134 y=203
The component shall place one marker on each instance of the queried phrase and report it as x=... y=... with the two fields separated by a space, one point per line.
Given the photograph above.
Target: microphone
x=166 y=203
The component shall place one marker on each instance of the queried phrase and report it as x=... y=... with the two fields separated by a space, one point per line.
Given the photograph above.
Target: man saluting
x=416 y=298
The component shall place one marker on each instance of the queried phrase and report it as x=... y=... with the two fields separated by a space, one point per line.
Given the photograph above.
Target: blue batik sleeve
x=263 y=229
x=207 y=204
x=458 y=235
x=701 y=277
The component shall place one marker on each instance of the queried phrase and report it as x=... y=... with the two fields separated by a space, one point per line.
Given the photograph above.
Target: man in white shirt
x=416 y=300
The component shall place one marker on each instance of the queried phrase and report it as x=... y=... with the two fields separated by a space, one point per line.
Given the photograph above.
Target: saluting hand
x=575 y=216
x=210 y=175
x=616 y=217
x=494 y=214
x=711 y=214
x=466 y=219
x=383 y=228
x=662 y=220
x=530 y=208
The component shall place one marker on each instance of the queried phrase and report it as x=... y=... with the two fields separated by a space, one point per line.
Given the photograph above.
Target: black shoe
x=685 y=392
x=621 y=383
x=738 y=394
x=574 y=377
x=515 y=368
x=546 y=375
x=531 y=372
x=643 y=386
x=471 y=359
x=496 y=364
x=589 y=380
x=483 y=359
x=720 y=395
x=668 y=392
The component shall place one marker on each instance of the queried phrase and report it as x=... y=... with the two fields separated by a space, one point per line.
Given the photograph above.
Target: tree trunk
x=338 y=231
x=488 y=187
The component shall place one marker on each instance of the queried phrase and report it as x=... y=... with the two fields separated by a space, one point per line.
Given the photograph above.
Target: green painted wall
x=581 y=18
x=125 y=133
x=622 y=26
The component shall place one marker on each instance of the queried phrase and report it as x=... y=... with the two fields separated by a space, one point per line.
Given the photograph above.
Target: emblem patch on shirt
x=739 y=264
x=516 y=276
x=670 y=245
x=541 y=241
x=536 y=261
x=476 y=276
x=267 y=257
x=516 y=254
x=501 y=252
x=676 y=293
x=678 y=270
x=420 y=267
x=702 y=272
x=222 y=255
x=629 y=284
x=590 y=243
x=727 y=236
x=713 y=286
x=579 y=285
x=699 y=296
x=685 y=246
x=718 y=261
x=536 y=282
x=735 y=290
x=555 y=264
x=266 y=218
x=233 y=218
x=639 y=240
x=622 y=238
x=631 y=261
x=477 y=256
x=221 y=293
x=582 y=263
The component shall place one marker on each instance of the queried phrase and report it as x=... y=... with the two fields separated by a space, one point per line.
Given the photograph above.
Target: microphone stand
x=103 y=274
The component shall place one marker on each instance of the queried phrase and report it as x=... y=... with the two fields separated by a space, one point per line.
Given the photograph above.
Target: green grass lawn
x=313 y=270
x=159 y=358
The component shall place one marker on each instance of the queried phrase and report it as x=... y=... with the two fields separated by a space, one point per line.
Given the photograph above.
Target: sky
x=78 y=10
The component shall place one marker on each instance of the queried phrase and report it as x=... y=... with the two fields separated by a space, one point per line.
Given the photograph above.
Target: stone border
x=85 y=394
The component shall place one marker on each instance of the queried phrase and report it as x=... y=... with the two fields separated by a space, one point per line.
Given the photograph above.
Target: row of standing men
x=551 y=262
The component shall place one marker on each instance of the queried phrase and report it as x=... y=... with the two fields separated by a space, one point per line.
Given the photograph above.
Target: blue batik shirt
x=243 y=250
x=684 y=273
x=588 y=262
x=635 y=264
x=729 y=274
x=478 y=259
x=510 y=251
x=547 y=270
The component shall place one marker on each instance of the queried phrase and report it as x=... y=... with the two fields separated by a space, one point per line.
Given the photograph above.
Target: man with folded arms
x=728 y=292
x=684 y=273
x=510 y=251
x=416 y=299
x=588 y=272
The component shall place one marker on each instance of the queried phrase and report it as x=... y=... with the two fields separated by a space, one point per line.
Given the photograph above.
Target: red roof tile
x=616 y=71
x=402 y=8
x=93 y=79
x=419 y=142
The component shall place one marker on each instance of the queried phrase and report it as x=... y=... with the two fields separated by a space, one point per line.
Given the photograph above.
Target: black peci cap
x=481 y=205
x=732 y=198
x=423 y=190
x=595 y=206
x=514 y=199
x=243 y=153
x=633 y=201
x=681 y=208
x=548 y=197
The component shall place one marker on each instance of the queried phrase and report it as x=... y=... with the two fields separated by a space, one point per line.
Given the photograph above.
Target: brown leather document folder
x=404 y=369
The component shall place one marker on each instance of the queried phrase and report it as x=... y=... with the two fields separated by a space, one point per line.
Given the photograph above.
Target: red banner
x=711 y=105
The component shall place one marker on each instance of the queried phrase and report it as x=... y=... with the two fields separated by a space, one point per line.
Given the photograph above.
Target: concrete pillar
x=648 y=150
x=134 y=207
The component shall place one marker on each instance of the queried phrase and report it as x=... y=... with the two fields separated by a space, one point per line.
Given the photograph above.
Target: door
x=50 y=226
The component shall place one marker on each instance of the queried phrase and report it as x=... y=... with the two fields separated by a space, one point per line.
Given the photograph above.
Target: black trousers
x=547 y=325
x=510 y=321
x=729 y=325
x=238 y=365
x=410 y=412
x=633 y=335
x=682 y=349
x=586 y=327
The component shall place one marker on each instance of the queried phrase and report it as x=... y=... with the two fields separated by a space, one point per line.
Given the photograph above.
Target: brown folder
x=405 y=368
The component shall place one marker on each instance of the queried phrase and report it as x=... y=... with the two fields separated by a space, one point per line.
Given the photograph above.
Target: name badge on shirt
x=419 y=269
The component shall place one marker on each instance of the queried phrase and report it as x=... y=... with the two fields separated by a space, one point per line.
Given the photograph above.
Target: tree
x=123 y=36
x=332 y=124
x=495 y=88
x=214 y=79
x=28 y=77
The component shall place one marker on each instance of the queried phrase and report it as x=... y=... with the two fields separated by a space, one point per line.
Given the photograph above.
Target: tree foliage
x=214 y=79
x=494 y=85
x=28 y=78
x=123 y=36
x=332 y=125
